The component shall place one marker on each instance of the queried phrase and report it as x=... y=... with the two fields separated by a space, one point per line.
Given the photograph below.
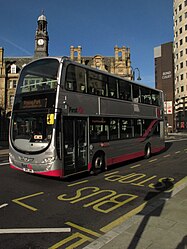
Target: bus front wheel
x=98 y=163
x=147 y=151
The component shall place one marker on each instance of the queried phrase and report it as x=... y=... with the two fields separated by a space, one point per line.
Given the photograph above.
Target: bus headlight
x=48 y=159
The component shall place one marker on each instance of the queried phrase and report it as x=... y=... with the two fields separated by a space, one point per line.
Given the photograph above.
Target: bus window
x=155 y=98
x=76 y=79
x=156 y=130
x=125 y=128
x=136 y=93
x=125 y=90
x=99 y=131
x=112 y=87
x=146 y=96
x=113 y=129
x=97 y=83
x=137 y=127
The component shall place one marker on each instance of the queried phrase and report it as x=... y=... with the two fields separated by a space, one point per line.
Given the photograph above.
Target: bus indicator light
x=50 y=119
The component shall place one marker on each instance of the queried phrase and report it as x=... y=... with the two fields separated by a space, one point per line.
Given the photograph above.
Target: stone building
x=10 y=67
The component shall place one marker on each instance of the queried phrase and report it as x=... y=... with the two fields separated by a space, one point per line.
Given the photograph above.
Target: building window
x=182 y=88
x=185 y=14
x=13 y=68
x=181 y=65
x=180 y=18
x=13 y=84
x=185 y=3
x=181 y=42
x=180 y=7
x=180 y=30
x=11 y=100
x=181 y=77
x=181 y=53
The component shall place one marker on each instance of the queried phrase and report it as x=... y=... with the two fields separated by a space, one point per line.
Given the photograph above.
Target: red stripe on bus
x=55 y=173
x=125 y=157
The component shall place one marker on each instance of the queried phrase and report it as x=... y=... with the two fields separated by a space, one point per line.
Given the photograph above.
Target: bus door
x=75 y=145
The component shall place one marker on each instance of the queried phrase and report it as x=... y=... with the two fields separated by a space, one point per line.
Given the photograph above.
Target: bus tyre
x=147 y=151
x=98 y=163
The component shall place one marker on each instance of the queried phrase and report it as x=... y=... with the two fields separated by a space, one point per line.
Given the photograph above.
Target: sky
x=96 y=25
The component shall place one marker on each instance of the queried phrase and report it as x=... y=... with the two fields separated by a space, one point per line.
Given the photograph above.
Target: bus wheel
x=147 y=151
x=98 y=163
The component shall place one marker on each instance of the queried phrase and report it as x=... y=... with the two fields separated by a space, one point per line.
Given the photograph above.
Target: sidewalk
x=162 y=224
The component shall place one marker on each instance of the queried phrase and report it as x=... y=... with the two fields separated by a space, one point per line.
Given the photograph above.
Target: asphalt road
x=70 y=213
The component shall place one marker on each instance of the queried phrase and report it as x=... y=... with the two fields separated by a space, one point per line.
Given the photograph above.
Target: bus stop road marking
x=153 y=160
x=83 y=229
x=77 y=183
x=18 y=201
x=112 y=173
x=178 y=186
x=168 y=155
x=135 y=166
x=35 y=230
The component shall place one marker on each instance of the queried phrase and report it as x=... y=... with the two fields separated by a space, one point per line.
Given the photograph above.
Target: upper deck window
x=97 y=83
x=39 y=76
x=76 y=79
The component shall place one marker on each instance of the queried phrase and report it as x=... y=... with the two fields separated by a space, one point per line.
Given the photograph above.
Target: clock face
x=40 y=42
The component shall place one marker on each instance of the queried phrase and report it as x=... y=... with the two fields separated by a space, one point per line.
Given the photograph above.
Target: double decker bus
x=69 y=118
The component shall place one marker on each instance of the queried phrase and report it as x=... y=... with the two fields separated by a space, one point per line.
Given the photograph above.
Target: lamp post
x=133 y=73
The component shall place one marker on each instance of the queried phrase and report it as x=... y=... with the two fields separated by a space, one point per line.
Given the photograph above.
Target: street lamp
x=133 y=73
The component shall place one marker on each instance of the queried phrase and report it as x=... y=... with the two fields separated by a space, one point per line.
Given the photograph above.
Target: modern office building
x=164 y=80
x=180 y=61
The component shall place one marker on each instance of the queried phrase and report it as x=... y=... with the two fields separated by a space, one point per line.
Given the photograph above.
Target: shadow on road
x=159 y=188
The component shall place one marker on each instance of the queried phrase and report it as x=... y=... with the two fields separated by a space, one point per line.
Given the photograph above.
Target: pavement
x=159 y=223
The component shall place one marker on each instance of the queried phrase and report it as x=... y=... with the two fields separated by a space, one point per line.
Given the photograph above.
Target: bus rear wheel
x=147 y=151
x=98 y=163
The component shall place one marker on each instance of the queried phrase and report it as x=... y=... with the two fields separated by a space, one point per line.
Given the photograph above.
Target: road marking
x=4 y=205
x=83 y=229
x=77 y=183
x=153 y=160
x=167 y=155
x=177 y=187
x=123 y=218
x=82 y=239
x=2 y=164
x=115 y=172
x=135 y=166
x=35 y=230
x=177 y=152
x=17 y=201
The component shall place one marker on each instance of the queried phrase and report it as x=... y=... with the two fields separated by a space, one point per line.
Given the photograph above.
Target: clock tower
x=41 y=38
